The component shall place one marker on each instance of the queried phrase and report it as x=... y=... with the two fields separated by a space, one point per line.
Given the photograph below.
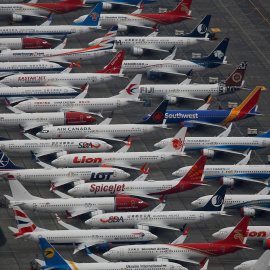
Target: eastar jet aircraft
x=61 y=55
x=222 y=143
x=218 y=118
x=49 y=31
x=53 y=260
x=190 y=252
x=34 y=9
x=229 y=173
x=137 y=45
x=57 y=147
x=157 y=68
x=81 y=238
x=58 y=176
x=175 y=92
x=128 y=96
x=248 y=204
x=126 y=160
x=23 y=43
x=145 y=189
x=179 y=14
x=27 y=121
x=171 y=220
x=110 y=72
x=261 y=264
x=68 y=205
x=109 y=132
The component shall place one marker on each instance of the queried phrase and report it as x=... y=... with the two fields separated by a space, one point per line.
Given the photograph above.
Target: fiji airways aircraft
x=71 y=206
x=171 y=220
x=80 y=238
x=179 y=14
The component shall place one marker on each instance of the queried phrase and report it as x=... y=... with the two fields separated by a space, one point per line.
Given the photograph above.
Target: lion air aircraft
x=123 y=159
x=190 y=252
x=68 y=205
x=80 y=238
x=145 y=189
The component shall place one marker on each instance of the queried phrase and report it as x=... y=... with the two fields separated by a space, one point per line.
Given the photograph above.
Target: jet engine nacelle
x=61 y=153
x=142 y=227
x=247 y=212
x=207 y=152
x=97 y=212
x=161 y=260
x=16 y=18
x=79 y=182
x=172 y=100
x=122 y=28
x=226 y=181
x=106 y=6
x=266 y=243
x=136 y=51
x=153 y=75
x=104 y=247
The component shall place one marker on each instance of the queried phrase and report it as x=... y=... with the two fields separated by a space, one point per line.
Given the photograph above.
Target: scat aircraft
x=66 y=204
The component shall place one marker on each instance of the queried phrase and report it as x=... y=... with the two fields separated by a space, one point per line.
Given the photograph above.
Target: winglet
x=190 y=73
x=202 y=263
x=84 y=86
x=144 y=169
x=50 y=16
x=58 y=218
x=52 y=186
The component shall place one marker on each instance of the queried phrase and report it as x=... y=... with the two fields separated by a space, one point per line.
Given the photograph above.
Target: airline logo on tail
x=184 y=7
x=94 y=16
x=219 y=54
x=158 y=117
x=237 y=77
x=178 y=144
x=131 y=88
x=238 y=235
x=202 y=28
x=4 y=160
x=217 y=201
x=48 y=253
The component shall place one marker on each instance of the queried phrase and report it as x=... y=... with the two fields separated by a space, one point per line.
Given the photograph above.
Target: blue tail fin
x=265 y=135
x=216 y=201
x=200 y=30
x=51 y=256
x=6 y=164
x=93 y=17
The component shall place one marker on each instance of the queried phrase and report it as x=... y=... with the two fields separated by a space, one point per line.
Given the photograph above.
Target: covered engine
x=97 y=212
x=247 y=212
x=142 y=227
x=207 y=152
x=79 y=182
x=103 y=247
x=106 y=6
x=172 y=100
x=266 y=243
x=122 y=28
x=227 y=181
x=16 y=18
x=136 y=51
x=61 y=153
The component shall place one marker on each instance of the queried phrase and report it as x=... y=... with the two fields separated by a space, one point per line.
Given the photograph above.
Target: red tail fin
x=183 y=8
x=237 y=236
x=74 y=2
x=114 y=67
x=237 y=77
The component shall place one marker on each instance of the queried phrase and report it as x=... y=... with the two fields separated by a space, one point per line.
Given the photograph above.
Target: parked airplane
x=71 y=206
x=34 y=9
x=175 y=92
x=80 y=238
x=171 y=220
x=158 y=68
x=218 y=118
x=49 y=31
x=137 y=45
x=53 y=260
x=111 y=71
x=57 y=147
x=59 y=54
x=109 y=132
x=257 y=233
x=247 y=203
x=262 y=263
x=10 y=68
x=229 y=173
x=127 y=96
x=190 y=252
x=27 y=121
x=222 y=143
x=23 y=43
x=58 y=176
x=179 y=14
x=144 y=189
x=126 y=160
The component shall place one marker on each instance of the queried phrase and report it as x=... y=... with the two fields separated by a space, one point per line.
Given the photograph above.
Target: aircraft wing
x=179 y=257
x=30 y=15
x=5 y=74
x=204 y=123
x=159 y=207
x=95 y=257
x=67 y=226
x=12 y=100
x=33 y=125
x=45 y=152
x=81 y=212
x=82 y=245
x=103 y=138
x=171 y=72
x=152 y=48
x=162 y=227
x=141 y=195
x=181 y=239
x=225 y=150
x=58 y=183
x=185 y=96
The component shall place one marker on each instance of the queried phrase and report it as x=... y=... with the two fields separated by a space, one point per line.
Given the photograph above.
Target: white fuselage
x=149 y=219
x=247 y=265
x=12 y=43
x=217 y=171
x=54 y=146
x=96 y=131
x=62 y=79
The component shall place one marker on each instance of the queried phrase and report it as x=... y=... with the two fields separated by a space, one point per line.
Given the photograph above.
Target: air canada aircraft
x=81 y=238
x=66 y=204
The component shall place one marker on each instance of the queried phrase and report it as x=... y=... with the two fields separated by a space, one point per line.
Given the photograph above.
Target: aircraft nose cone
x=154 y=237
x=71 y=191
x=195 y=203
x=144 y=205
x=215 y=235
x=109 y=147
x=156 y=145
x=55 y=162
x=175 y=173
x=127 y=175
x=46 y=45
x=88 y=222
x=107 y=254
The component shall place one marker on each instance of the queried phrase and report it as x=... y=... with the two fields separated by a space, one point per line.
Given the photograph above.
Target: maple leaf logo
x=158 y=117
x=177 y=144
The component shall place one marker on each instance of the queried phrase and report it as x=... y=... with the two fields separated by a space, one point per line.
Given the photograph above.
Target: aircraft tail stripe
x=73 y=265
x=19 y=214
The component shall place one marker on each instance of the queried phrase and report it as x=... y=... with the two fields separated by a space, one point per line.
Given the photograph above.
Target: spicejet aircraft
x=80 y=238
x=33 y=9
x=190 y=252
x=179 y=14
x=66 y=204
x=53 y=260
x=123 y=159
x=145 y=189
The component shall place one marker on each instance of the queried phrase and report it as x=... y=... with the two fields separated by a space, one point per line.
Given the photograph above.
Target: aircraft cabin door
x=2 y=146
x=34 y=206
x=172 y=267
x=121 y=252
x=29 y=105
x=162 y=157
x=264 y=143
x=118 y=103
x=201 y=216
x=188 y=42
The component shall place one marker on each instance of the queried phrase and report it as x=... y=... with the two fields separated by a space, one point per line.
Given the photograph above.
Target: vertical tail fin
x=237 y=236
x=6 y=164
x=114 y=67
x=93 y=17
x=201 y=29
x=237 y=77
x=183 y=9
x=263 y=262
